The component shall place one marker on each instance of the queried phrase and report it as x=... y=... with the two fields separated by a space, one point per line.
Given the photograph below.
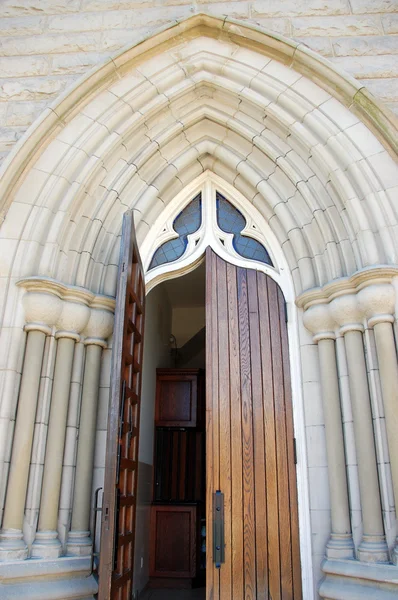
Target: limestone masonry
x=45 y=45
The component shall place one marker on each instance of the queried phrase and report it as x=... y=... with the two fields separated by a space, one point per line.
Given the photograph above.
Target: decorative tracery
x=227 y=224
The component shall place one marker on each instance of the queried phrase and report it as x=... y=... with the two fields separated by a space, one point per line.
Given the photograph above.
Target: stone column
x=41 y=312
x=98 y=330
x=318 y=320
x=345 y=311
x=377 y=303
x=74 y=317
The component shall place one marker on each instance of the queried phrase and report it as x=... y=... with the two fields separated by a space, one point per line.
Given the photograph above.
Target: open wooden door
x=250 y=444
x=121 y=464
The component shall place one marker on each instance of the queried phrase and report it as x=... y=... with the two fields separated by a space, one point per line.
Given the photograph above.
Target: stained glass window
x=231 y=220
x=188 y=221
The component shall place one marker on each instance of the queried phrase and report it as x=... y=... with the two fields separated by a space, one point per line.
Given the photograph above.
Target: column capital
x=377 y=303
x=52 y=305
x=318 y=319
x=99 y=326
x=382 y=274
x=346 y=313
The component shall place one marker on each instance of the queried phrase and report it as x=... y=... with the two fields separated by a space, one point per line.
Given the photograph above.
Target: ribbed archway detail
x=205 y=98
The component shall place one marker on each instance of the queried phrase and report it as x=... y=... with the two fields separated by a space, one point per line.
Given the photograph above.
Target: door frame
x=282 y=276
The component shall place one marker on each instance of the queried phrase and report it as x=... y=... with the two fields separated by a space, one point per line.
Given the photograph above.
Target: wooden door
x=121 y=464
x=250 y=445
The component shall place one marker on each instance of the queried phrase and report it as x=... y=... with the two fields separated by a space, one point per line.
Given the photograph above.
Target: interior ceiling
x=188 y=290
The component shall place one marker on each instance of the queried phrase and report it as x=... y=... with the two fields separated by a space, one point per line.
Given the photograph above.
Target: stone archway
x=305 y=144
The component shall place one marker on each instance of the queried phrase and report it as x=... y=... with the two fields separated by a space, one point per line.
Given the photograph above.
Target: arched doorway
x=251 y=510
x=304 y=144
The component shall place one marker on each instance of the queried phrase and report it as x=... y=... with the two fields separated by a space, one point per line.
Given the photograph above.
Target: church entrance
x=243 y=533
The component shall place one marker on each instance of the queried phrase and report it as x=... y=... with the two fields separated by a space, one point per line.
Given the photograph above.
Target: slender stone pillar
x=345 y=311
x=318 y=320
x=73 y=319
x=41 y=310
x=377 y=303
x=98 y=330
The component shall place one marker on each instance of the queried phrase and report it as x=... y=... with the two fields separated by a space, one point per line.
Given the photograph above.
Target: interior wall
x=156 y=354
x=186 y=322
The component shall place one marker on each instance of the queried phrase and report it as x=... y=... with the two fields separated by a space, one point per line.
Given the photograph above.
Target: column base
x=12 y=545
x=66 y=578
x=394 y=557
x=351 y=580
x=46 y=545
x=79 y=543
x=373 y=549
x=340 y=546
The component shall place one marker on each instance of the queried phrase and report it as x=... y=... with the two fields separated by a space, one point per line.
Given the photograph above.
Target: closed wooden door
x=250 y=440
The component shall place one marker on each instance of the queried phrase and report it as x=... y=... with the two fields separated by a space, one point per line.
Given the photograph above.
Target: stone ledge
x=353 y=580
x=65 y=566
x=62 y=579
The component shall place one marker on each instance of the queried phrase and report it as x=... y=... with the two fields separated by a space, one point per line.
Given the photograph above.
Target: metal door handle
x=218 y=529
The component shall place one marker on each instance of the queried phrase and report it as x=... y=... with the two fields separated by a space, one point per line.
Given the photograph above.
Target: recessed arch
x=264 y=113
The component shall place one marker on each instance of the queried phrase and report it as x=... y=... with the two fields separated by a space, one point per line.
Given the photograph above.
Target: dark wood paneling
x=179 y=456
x=177 y=396
x=173 y=541
x=120 y=485
x=250 y=436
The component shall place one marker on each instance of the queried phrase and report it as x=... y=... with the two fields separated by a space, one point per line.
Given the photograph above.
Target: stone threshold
x=354 y=580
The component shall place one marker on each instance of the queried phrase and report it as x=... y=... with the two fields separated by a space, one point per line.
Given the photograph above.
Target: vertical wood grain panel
x=250 y=436
x=236 y=437
x=258 y=438
x=211 y=450
x=247 y=438
x=224 y=419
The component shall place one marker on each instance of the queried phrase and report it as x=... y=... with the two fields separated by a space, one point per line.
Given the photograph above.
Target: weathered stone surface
x=322 y=45
x=285 y=8
x=374 y=6
x=50 y=44
x=362 y=46
x=390 y=23
x=28 y=25
x=119 y=4
x=281 y=26
x=63 y=64
x=12 y=8
x=336 y=26
x=19 y=66
x=386 y=89
x=32 y=88
x=22 y=114
x=368 y=66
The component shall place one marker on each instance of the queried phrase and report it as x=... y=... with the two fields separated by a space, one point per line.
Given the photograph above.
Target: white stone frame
x=208 y=233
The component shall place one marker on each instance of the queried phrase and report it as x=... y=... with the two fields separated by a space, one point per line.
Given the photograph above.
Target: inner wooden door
x=250 y=439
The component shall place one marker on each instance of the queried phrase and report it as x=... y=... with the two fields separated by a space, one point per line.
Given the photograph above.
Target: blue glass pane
x=188 y=221
x=231 y=220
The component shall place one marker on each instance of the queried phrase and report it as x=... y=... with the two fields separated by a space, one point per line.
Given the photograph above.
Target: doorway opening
x=170 y=546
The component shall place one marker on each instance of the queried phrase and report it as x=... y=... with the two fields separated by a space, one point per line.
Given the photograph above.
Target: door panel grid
x=120 y=486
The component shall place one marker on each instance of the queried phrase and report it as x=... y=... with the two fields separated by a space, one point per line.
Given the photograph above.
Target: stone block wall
x=45 y=45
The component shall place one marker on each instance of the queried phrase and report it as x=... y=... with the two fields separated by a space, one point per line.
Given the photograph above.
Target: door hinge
x=295 y=451
x=218 y=529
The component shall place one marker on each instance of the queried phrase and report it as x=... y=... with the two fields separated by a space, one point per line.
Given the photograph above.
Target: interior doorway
x=171 y=536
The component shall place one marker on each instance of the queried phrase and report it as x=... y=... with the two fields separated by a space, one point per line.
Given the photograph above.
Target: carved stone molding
x=70 y=311
x=383 y=274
